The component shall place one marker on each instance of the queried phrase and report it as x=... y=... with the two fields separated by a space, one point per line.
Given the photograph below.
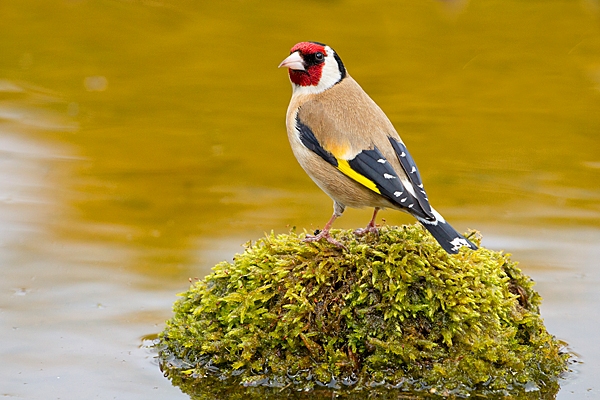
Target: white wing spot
x=403 y=200
x=421 y=186
x=398 y=194
x=388 y=176
x=428 y=222
x=403 y=154
x=459 y=242
x=413 y=169
x=438 y=216
x=382 y=161
x=410 y=205
x=408 y=186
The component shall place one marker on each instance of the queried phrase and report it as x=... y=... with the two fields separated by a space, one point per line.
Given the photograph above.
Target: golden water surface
x=143 y=141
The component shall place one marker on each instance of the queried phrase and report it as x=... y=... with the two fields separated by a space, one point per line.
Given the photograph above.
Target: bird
x=347 y=145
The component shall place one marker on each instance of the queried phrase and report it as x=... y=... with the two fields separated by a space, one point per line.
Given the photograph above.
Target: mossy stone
x=391 y=311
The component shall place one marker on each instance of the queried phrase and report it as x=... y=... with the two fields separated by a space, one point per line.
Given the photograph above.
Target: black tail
x=447 y=236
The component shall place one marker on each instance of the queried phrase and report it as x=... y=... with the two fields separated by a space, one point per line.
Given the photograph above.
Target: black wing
x=372 y=170
x=412 y=172
x=372 y=165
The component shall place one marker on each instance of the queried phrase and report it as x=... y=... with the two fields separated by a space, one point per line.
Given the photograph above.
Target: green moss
x=391 y=310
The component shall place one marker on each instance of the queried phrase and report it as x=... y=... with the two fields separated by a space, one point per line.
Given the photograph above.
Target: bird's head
x=313 y=67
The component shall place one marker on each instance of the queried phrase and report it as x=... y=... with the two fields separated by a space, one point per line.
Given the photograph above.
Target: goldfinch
x=349 y=147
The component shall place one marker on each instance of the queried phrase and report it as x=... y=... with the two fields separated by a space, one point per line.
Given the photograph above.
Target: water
x=142 y=142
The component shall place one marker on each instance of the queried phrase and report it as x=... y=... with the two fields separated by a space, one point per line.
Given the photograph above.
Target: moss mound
x=391 y=311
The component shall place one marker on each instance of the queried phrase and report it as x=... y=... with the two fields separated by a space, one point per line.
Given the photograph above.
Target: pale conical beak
x=294 y=61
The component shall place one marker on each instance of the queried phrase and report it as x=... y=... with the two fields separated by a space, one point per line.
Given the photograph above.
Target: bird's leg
x=338 y=209
x=371 y=227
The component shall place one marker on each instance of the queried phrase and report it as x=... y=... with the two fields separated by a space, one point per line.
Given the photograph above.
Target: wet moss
x=390 y=311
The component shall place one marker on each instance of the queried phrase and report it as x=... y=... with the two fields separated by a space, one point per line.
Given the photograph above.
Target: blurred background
x=141 y=142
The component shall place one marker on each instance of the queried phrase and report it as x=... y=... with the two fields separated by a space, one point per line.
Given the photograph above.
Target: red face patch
x=308 y=48
x=314 y=67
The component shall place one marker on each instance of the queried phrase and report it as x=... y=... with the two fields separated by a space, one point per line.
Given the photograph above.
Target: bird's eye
x=319 y=56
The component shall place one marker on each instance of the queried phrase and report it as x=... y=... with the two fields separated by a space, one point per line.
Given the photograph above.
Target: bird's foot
x=368 y=229
x=323 y=235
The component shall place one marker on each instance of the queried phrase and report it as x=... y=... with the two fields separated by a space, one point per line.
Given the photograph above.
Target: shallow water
x=141 y=142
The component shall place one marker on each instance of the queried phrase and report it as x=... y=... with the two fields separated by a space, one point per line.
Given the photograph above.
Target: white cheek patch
x=331 y=71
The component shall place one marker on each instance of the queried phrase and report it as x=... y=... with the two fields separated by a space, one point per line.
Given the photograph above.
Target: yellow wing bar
x=347 y=170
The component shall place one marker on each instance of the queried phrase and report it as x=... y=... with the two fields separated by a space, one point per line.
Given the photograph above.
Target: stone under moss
x=392 y=311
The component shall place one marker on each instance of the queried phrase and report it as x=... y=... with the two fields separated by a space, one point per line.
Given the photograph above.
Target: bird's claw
x=323 y=235
x=367 y=229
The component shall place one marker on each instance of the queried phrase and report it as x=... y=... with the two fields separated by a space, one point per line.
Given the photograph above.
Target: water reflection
x=141 y=142
x=65 y=319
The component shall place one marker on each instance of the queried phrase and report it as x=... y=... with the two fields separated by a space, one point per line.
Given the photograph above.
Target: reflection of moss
x=390 y=310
